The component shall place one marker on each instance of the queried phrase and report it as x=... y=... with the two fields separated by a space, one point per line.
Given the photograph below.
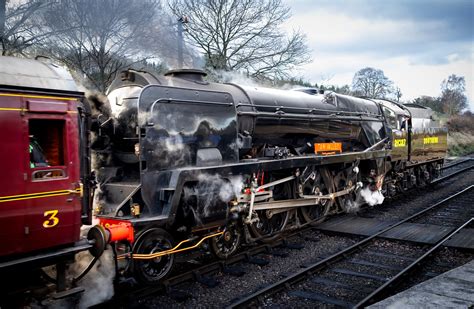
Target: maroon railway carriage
x=43 y=129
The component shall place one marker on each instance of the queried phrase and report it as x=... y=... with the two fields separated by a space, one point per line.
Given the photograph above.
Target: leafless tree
x=371 y=83
x=453 y=98
x=20 y=26
x=243 y=35
x=398 y=94
x=102 y=36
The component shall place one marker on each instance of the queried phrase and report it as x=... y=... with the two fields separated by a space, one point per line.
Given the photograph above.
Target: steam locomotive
x=180 y=163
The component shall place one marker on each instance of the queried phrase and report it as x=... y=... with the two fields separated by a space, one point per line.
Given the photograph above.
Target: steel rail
x=438 y=180
x=382 y=290
x=453 y=164
x=300 y=275
x=212 y=267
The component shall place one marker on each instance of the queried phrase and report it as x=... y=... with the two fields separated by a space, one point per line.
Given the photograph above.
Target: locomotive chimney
x=194 y=75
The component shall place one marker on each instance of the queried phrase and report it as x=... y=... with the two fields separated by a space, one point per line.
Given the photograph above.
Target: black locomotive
x=182 y=162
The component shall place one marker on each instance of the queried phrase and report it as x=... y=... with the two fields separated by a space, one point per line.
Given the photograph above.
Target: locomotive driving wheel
x=348 y=202
x=268 y=227
x=269 y=224
x=316 y=186
x=225 y=245
x=151 y=271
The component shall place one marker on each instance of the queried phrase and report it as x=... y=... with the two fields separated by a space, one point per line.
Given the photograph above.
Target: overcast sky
x=417 y=43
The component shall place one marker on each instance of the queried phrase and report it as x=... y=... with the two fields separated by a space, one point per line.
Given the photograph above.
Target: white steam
x=372 y=197
x=210 y=193
x=233 y=77
x=364 y=196
x=227 y=188
x=98 y=283
x=119 y=99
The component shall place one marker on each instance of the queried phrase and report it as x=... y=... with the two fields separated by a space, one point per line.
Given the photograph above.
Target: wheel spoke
x=153 y=270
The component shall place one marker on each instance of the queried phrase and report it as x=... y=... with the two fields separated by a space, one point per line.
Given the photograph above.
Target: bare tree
x=371 y=83
x=101 y=36
x=20 y=27
x=243 y=35
x=453 y=98
x=398 y=94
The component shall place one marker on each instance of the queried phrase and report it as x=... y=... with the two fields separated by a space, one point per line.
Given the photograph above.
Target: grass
x=460 y=143
x=461 y=134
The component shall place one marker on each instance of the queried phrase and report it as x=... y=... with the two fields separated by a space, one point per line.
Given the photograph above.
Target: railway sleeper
x=320 y=298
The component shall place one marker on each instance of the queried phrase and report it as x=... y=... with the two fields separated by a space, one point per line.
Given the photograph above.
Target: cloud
x=339 y=33
x=413 y=79
x=455 y=14
x=416 y=43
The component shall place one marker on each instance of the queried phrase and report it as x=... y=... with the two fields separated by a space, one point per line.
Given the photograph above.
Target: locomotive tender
x=182 y=163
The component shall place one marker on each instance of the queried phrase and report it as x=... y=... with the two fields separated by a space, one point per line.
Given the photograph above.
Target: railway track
x=457 y=162
x=202 y=274
x=353 y=270
x=455 y=168
x=233 y=267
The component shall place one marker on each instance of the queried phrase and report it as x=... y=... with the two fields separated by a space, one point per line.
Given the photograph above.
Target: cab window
x=46 y=148
x=391 y=117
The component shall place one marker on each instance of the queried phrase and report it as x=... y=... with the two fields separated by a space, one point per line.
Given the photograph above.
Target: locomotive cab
x=398 y=119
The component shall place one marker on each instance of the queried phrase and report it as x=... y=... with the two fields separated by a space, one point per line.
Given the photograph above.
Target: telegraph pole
x=3 y=8
x=181 y=21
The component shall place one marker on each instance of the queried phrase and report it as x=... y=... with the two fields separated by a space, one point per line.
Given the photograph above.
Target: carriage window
x=46 y=148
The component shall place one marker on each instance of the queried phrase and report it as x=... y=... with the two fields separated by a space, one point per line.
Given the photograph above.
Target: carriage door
x=53 y=216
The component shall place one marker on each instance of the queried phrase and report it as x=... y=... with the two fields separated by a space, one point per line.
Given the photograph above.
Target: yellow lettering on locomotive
x=430 y=140
x=402 y=142
x=327 y=148
x=52 y=219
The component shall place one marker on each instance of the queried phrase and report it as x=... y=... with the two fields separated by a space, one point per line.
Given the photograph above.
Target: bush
x=461 y=123
x=461 y=134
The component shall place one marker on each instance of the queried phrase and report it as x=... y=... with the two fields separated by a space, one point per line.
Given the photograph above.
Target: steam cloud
x=205 y=192
x=364 y=196
x=372 y=197
x=98 y=283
